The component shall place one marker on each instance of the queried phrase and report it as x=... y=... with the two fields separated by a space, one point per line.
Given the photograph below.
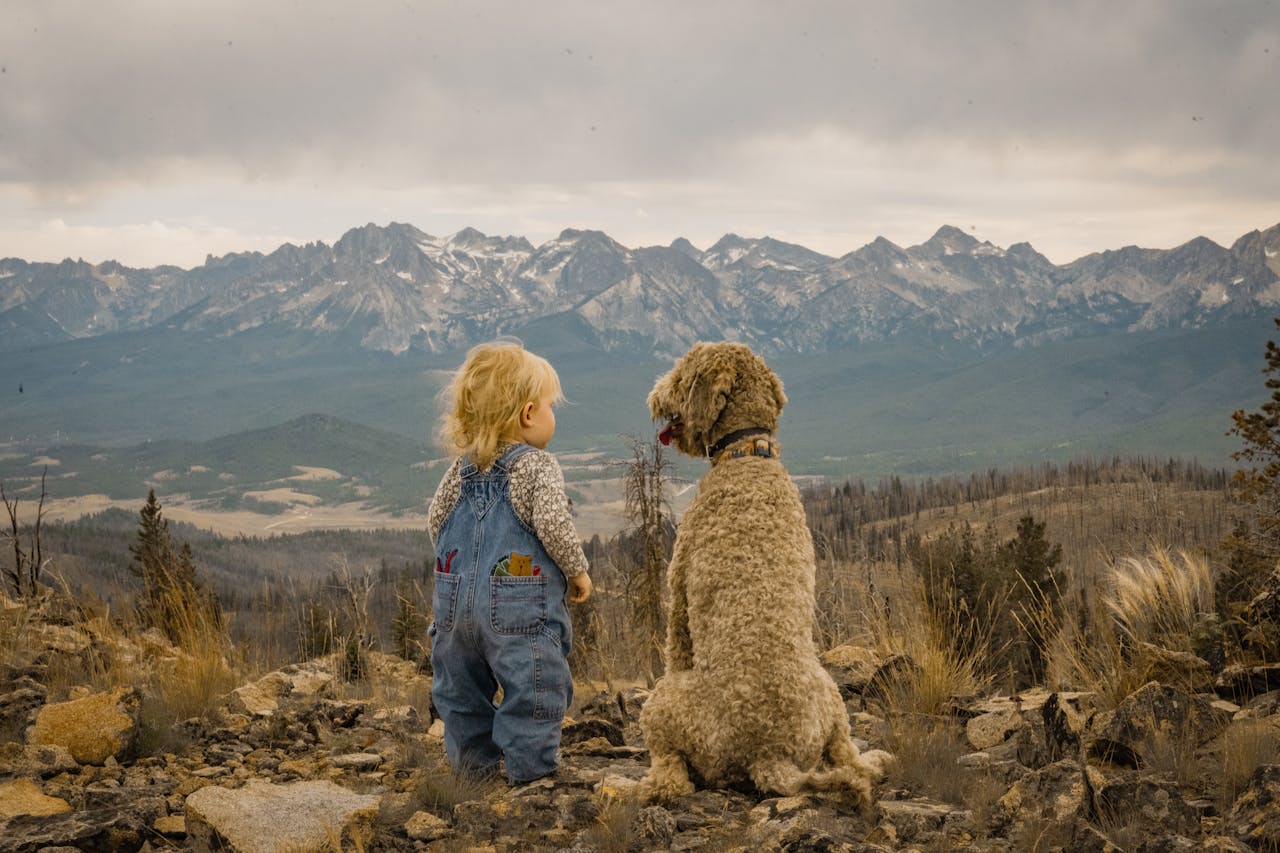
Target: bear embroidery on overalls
x=516 y=566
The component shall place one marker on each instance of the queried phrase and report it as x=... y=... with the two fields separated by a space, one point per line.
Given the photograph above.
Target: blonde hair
x=482 y=402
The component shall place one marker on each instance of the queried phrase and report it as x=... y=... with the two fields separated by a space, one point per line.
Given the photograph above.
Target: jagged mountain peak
x=732 y=250
x=952 y=241
x=680 y=244
x=374 y=240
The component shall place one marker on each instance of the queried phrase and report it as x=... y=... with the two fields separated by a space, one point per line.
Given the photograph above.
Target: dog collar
x=763 y=447
x=737 y=435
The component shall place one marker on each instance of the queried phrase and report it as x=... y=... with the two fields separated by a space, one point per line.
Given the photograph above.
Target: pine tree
x=173 y=600
x=1030 y=557
x=153 y=546
x=1254 y=546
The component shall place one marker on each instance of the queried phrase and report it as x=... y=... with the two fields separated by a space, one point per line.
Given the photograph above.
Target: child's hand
x=579 y=588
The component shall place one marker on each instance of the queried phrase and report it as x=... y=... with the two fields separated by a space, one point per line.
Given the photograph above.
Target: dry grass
x=614 y=830
x=1246 y=745
x=1174 y=757
x=439 y=789
x=947 y=652
x=925 y=749
x=947 y=648
x=1157 y=599
x=1136 y=629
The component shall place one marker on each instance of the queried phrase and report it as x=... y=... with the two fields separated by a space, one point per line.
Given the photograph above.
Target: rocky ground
x=297 y=761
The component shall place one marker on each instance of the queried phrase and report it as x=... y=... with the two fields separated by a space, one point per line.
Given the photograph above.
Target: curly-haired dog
x=744 y=697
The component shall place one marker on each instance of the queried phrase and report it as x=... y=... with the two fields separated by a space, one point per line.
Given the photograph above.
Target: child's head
x=484 y=400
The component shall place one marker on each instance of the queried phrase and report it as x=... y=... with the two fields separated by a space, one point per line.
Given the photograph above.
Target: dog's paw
x=878 y=761
x=662 y=788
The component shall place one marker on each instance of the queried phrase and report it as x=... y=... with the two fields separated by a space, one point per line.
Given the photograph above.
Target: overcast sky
x=159 y=132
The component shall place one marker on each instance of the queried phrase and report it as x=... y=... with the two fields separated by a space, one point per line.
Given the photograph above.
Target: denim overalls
x=500 y=619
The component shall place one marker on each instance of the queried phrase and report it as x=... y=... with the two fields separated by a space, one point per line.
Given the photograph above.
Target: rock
x=1152 y=714
x=585 y=730
x=264 y=818
x=1031 y=700
x=1255 y=817
x=1063 y=725
x=617 y=785
x=92 y=729
x=654 y=827
x=1242 y=682
x=292 y=683
x=174 y=826
x=807 y=839
x=424 y=826
x=890 y=676
x=1055 y=793
x=606 y=706
x=1156 y=808
x=1266 y=705
x=19 y=704
x=916 y=820
x=1170 y=666
x=356 y=761
x=34 y=760
x=64 y=639
x=24 y=797
x=852 y=668
x=992 y=729
x=92 y=829
x=398 y=719
x=777 y=808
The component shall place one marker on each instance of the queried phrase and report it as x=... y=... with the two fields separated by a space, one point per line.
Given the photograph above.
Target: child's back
x=506 y=553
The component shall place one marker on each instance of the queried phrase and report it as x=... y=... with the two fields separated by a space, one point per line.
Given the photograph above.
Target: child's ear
x=526 y=414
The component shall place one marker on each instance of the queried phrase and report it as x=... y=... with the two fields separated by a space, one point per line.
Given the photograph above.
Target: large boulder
x=1152 y=806
x=93 y=729
x=1055 y=794
x=312 y=680
x=1154 y=716
x=34 y=760
x=1255 y=817
x=24 y=797
x=852 y=667
x=265 y=818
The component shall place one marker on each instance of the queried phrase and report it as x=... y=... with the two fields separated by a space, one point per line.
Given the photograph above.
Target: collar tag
x=763 y=447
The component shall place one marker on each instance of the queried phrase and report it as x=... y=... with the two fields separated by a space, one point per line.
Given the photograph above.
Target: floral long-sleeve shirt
x=539 y=499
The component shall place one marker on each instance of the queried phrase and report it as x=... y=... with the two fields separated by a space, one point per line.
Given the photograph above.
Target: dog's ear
x=713 y=378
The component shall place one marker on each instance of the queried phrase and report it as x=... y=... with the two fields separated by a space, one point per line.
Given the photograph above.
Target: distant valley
x=307 y=377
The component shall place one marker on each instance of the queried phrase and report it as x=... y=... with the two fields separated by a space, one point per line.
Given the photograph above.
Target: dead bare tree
x=646 y=561
x=28 y=562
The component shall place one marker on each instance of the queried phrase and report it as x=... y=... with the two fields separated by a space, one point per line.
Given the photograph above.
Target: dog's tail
x=785 y=778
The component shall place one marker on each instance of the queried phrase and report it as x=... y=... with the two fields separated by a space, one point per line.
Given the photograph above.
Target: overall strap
x=505 y=461
x=511 y=454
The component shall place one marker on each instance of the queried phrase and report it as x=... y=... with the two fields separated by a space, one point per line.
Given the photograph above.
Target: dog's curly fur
x=744 y=697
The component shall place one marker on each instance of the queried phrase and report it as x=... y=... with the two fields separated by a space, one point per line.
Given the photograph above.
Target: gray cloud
x=95 y=97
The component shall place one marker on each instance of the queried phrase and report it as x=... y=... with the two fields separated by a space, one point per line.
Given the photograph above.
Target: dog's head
x=713 y=390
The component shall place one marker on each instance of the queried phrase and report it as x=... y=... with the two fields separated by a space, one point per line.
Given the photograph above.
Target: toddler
x=507 y=555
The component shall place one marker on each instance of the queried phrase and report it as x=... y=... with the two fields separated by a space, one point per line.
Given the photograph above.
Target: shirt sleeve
x=446 y=498
x=538 y=496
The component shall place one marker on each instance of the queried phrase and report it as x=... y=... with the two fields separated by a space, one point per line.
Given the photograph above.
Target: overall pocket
x=444 y=599
x=518 y=605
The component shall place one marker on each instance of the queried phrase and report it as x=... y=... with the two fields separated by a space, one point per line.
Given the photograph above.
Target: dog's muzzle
x=673 y=429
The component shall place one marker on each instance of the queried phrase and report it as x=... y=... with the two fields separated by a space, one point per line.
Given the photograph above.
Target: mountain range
x=396 y=289
x=952 y=356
